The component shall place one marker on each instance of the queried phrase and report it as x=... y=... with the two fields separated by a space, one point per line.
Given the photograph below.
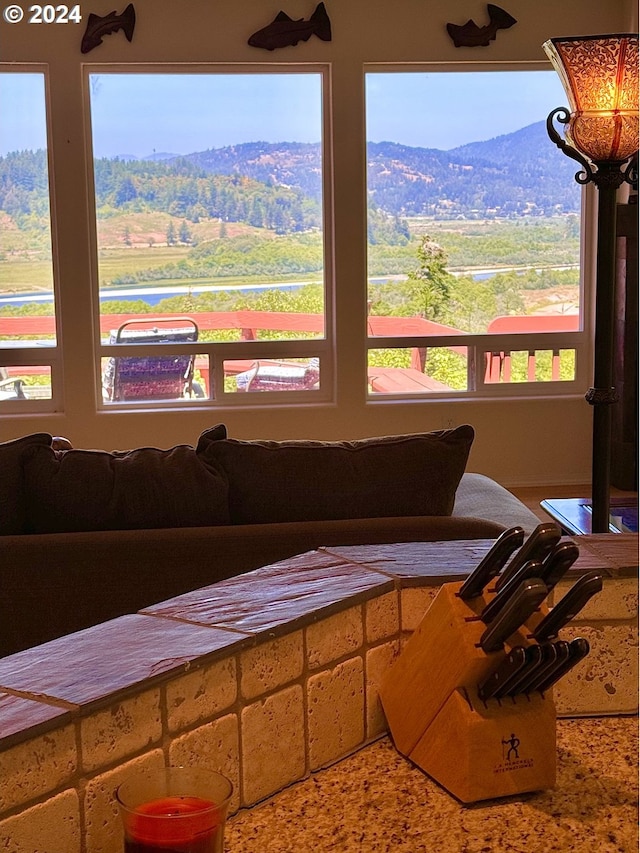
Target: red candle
x=174 y=825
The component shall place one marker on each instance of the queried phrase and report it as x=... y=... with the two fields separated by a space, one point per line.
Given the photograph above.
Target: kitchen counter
x=376 y=801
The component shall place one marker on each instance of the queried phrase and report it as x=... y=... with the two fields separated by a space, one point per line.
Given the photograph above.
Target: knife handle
x=558 y=563
x=568 y=606
x=526 y=599
x=533 y=659
x=537 y=546
x=492 y=563
x=503 y=673
x=529 y=570
x=559 y=657
x=578 y=650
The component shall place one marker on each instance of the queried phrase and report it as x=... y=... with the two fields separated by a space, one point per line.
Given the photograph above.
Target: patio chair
x=11 y=387
x=150 y=377
x=282 y=376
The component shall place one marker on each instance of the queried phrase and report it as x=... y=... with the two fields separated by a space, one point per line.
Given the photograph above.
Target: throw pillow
x=12 y=492
x=137 y=489
x=402 y=475
x=216 y=433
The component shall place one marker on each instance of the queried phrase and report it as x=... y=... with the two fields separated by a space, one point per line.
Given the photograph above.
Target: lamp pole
x=603 y=394
x=608 y=176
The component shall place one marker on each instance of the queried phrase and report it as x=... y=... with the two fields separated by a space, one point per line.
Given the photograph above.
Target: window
x=210 y=235
x=28 y=355
x=473 y=236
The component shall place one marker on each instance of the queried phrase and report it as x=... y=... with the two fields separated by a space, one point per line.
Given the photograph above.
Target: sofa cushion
x=279 y=481
x=13 y=517
x=76 y=490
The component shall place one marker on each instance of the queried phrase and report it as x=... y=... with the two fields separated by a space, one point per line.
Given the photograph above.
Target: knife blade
x=506 y=670
x=578 y=650
x=558 y=562
x=529 y=570
x=559 y=656
x=492 y=563
x=524 y=601
x=538 y=545
x=568 y=606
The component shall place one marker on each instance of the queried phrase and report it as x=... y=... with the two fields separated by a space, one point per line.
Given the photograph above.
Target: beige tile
x=31 y=769
x=414 y=603
x=103 y=828
x=201 y=694
x=214 y=746
x=334 y=637
x=124 y=728
x=273 y=744
x=271 y=665
x=382 y=617
x=377 y=662
x=335 y=712
x=49 y=827
x=606 y=681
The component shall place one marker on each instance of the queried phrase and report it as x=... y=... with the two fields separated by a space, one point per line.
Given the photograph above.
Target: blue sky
x=139 y=114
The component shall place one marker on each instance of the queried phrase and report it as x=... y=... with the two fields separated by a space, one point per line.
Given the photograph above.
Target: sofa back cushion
x=402 y=475
x=77 y=490
x=13 y=501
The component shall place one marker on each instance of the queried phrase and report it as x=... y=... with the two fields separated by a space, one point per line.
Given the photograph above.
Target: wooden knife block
x=475 y=750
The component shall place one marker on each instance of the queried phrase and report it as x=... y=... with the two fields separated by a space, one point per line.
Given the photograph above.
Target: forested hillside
x=278 y=185
x=513 y=175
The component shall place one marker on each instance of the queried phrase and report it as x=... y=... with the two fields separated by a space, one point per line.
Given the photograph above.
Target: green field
x=25 y=264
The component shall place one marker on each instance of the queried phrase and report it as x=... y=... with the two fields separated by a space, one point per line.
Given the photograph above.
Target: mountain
x=288 y=164
x=514 y=174
x=280 y=184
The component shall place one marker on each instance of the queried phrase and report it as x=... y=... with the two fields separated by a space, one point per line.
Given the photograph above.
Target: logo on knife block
x=511 y=756
x=513 y=743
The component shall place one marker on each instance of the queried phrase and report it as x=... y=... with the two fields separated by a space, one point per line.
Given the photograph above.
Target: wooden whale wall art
x=471 y=35
x=284 y=31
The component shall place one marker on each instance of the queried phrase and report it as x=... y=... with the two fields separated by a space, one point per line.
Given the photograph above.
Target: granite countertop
x=376 y=801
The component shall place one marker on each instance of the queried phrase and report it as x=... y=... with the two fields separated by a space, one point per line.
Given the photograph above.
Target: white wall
x=518 y=442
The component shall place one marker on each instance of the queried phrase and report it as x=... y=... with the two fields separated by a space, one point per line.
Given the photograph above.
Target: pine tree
x=185 y=233
x=430 y=283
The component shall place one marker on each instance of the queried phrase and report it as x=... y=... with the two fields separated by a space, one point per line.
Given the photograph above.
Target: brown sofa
x=87 y=535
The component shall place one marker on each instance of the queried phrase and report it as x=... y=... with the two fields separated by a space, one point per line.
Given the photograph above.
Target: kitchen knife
x=578 y=650
x=492 y=563
x=524 y=601
x=568 y=606
x=531 y=569
x=537 y=546
x=558 y=563
x=532 y=659
x=506 y=670
x=537 y=656
x=560 y=656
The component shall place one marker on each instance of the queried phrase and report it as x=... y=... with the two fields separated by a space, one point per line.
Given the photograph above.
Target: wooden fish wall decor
x=471 y=35
x=99 y=26
x=284 y=31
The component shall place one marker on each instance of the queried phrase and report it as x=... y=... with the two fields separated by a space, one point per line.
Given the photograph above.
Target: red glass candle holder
x=174 y=810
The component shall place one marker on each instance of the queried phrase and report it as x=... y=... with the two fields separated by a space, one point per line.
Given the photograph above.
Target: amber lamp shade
x=600 y=78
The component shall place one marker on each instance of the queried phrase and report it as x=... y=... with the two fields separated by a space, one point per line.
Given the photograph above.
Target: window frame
x=481 y=344
x=322 y=348
x=12 y=355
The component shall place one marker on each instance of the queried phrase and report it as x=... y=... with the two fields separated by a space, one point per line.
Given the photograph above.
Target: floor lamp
x=600 y=78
